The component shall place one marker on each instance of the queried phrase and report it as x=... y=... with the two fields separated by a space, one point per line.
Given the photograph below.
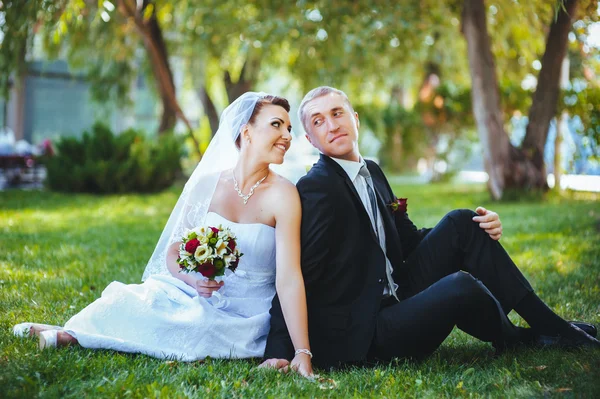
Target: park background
x=109 y=105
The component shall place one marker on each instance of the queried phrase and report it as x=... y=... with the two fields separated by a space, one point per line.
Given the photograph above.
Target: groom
x=379 y=288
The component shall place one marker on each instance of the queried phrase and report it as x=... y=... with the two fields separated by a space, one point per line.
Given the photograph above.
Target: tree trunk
x=159 y=61
x=486 y=98
x=545 y=98
x=509 y=167
x=557 y=153
x=14 y=106
x=156 y=49
x=396 y=153
x=209 y=109
x=244 y=83
x=395 y=131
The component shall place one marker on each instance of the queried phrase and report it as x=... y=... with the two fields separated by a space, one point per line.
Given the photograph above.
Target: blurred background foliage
x=103 y=163
x=405 y=65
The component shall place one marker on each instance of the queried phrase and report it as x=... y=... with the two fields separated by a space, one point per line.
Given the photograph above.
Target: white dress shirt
x=360 y=183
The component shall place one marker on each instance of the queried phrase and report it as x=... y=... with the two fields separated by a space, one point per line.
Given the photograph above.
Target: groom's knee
x=462 y=217
x=463 y=281
x=464 y=285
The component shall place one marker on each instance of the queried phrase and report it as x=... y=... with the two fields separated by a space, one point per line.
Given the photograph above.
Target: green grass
x=58 y=252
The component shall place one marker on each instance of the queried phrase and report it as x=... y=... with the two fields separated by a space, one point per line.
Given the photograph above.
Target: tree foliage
x=371 y=49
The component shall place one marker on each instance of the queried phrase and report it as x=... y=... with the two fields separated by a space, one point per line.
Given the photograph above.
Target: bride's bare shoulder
x=284 y=195
x=282 y=184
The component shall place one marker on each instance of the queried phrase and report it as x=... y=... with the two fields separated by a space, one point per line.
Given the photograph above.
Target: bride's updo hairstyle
x=267 y=99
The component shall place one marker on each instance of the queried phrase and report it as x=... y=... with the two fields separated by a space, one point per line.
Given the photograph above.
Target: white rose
x=229 y=259
x=203 y=252
x=222 y=234
x=199 y=230
x=221 y=248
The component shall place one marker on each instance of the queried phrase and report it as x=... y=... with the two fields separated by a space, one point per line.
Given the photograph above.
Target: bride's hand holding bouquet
x=208 y=252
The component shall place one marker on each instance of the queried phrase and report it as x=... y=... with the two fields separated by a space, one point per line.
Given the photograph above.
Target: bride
x=182 y=316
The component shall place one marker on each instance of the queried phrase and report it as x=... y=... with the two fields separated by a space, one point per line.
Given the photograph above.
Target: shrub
x=102 y=162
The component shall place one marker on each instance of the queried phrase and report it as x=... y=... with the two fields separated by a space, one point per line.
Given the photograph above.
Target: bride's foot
x=55 y=339
x=32 y=329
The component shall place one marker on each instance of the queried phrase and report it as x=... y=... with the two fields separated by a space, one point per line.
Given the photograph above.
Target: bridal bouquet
x=208 y=251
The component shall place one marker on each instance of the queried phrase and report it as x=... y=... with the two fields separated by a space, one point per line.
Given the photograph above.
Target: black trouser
x=457 y=276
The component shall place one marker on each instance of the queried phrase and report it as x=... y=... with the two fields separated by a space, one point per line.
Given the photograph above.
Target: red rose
x=207 y=269
x=231 y=245
x=399 y=204
x=402 y=204
x=191 y=245
x=215 y=230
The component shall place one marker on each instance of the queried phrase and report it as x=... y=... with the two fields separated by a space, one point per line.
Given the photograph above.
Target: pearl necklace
x=242 y=195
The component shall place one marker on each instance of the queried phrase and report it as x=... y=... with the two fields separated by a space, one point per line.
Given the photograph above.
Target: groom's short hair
x=316 y=93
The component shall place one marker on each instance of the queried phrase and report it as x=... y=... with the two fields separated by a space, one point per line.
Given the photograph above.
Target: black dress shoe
x=577 y=338
x=589 y=328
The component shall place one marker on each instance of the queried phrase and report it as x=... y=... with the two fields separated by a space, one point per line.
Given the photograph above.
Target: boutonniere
x=399 y=205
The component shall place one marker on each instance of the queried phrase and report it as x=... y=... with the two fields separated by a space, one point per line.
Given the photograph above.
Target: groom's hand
x=489 y=221
x=277 y=364
x=205 y=288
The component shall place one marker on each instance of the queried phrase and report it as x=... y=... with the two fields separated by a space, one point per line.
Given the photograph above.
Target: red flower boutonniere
x=399 y=205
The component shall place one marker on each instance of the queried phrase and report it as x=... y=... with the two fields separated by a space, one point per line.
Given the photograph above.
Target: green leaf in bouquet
x=219 y=264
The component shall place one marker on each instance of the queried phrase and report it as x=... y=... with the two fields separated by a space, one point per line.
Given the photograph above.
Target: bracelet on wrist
x=305 y=351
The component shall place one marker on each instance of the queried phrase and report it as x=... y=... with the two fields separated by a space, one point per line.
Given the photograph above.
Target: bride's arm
x=203 y=287
x=173 y=266
x=289 y=281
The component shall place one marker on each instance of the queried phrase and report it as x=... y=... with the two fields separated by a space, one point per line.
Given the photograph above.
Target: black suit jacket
x=343 y=265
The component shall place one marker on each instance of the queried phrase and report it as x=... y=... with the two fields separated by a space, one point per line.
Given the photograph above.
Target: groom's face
x=333 y=127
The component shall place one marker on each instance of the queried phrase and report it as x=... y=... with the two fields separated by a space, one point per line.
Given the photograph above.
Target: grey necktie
x=364 y=172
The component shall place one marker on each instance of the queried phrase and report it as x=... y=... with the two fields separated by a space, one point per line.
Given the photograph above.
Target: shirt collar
x=350 y=167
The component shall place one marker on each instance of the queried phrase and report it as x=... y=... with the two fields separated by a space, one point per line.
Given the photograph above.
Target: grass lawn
x=58 y=252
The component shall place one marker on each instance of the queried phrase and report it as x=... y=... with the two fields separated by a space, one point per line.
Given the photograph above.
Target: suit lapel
x=340 y=171
x=358 y=202
x=391 y=235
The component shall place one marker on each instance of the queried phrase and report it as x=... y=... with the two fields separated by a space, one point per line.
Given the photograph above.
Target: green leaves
x=227 y=47
x=104 y=163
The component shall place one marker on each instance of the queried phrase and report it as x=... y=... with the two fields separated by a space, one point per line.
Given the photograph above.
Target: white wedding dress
x=165 y=318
